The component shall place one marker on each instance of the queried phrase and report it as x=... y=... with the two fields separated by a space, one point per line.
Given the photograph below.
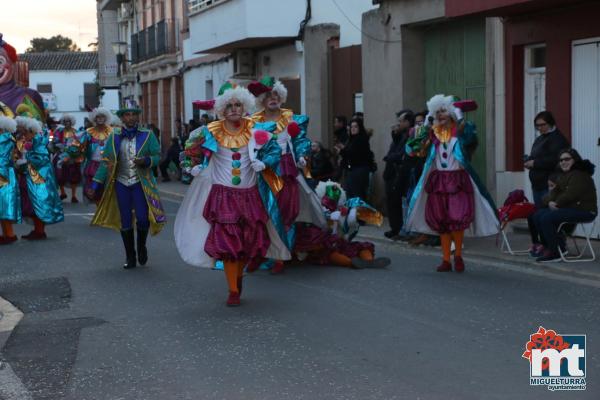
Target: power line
x=359 y=28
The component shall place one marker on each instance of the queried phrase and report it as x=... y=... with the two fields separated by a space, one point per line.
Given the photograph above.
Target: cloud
x=27 y=19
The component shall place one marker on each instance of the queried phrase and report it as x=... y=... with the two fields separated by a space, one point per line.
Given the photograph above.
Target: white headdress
x=7 y=124
x=441 y=102
x=101 y=111
x=238 y=93
x=70 y=118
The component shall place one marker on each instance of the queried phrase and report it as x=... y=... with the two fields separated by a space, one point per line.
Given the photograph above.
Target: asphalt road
x=95 y=331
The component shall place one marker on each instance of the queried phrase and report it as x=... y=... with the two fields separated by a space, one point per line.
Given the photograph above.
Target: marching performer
x=222 y=216
x=68 y=145
x=40 y=201
x=124 y=183
x=449 y=198
x=10 y=201
x=287 y=184
x=96 y=138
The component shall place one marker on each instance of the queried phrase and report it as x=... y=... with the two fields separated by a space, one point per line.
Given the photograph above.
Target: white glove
x=21 y=161
x=302 y=162
x=258 y=165
x=196 y=170
x=335 y=216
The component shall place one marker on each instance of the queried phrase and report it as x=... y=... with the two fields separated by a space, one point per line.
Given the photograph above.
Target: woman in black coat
x=357 y=161
x=543 y=158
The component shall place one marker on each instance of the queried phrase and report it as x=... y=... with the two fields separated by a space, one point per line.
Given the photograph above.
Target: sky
x=22 y=20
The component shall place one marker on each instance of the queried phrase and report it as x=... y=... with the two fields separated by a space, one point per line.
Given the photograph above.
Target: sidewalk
x=480 y=249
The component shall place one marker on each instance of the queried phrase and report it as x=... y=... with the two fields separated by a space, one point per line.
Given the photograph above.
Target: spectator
x=357 y=161
x=340 y=132
x=573 y=200
x=543 y=157
x=171 y=156
x=180 y=131
x=321 y=166
x=537 y=248
x=204 y=120
x=392 y=174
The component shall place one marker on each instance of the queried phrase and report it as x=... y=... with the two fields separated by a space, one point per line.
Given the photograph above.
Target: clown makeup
x=234 y=111
x=272 y=101
x=100 y=119
x=442 y=116
x=6 y=67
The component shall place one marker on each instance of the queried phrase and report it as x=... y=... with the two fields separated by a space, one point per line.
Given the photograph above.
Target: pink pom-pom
x=261 y=137
x=293 y=129
x=466 y=105
x=28 y=146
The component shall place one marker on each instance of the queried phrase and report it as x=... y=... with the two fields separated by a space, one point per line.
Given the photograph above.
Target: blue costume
x=129 y=186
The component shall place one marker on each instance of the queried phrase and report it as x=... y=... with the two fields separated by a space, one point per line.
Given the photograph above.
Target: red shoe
x=7 y=239
x=278 y=268
x=33 y=235
x=445 y=266
x=253 y=265
x=459 y=264
x=233 y=300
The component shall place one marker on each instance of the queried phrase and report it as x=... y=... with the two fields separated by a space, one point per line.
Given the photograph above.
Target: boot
x=142 y=252
x=129 y=243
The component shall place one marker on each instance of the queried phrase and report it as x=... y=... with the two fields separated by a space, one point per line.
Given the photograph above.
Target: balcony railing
x=198 y=5
x=157 y=40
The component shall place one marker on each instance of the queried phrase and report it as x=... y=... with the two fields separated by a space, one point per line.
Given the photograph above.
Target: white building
x=67 y=83
x=289 y=39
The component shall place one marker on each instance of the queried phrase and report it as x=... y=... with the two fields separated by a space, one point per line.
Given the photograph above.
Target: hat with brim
x=130 y=109
x=265 y=85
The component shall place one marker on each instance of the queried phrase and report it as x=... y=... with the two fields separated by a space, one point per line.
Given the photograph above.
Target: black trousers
x=356 y=182
x=394 y=206
x=164 y=165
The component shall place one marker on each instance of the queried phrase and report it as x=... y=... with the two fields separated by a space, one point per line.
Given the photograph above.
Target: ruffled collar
x=100 y=134
x=285 y=117
x=232 y=140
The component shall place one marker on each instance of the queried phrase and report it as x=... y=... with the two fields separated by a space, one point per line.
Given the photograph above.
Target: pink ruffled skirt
x=238 y=224
x=450 y=201
x=288 y=199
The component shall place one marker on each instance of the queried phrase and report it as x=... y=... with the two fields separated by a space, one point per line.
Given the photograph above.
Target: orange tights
x=447 y=239
x=341 y=260
x=7 y=229
x=234 y=269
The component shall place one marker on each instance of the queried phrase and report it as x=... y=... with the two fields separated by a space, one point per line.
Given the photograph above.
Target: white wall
x=194 y=83
x=110 y=100
x=326 y=11
x=285 y=62
x=68 y=87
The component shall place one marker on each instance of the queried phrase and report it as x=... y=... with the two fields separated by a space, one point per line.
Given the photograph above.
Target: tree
x=55 y=43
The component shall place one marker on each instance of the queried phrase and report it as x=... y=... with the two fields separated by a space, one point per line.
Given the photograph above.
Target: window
x=90 y=96
x=536 y=56
x=44 y=87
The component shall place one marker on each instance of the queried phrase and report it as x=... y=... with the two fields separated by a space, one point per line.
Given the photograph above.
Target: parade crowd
x=261 y=192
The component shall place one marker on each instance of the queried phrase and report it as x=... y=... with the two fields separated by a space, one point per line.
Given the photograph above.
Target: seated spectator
x=536 y=249
x=573 y=200
x=321 y=166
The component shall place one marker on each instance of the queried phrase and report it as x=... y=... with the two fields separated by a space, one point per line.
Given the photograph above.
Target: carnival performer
x=449 y=198
x=11 y=94
x=68 y=146
x=96 y=138
x=284 y=181
x=124 y=183
x=222 y=216
x=40 y=201
x=335 y=245
x=10 y=201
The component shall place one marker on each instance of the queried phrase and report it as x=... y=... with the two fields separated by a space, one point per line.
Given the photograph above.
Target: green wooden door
x=455 y=65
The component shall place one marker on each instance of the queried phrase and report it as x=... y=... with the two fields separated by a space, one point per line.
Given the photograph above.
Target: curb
x=10 y=316
x=558 y=269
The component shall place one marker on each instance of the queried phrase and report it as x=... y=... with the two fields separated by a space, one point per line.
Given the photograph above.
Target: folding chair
x=587 y=229
x=505 y=246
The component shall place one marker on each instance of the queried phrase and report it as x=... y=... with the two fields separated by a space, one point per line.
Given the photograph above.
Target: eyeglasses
x=565 y=159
